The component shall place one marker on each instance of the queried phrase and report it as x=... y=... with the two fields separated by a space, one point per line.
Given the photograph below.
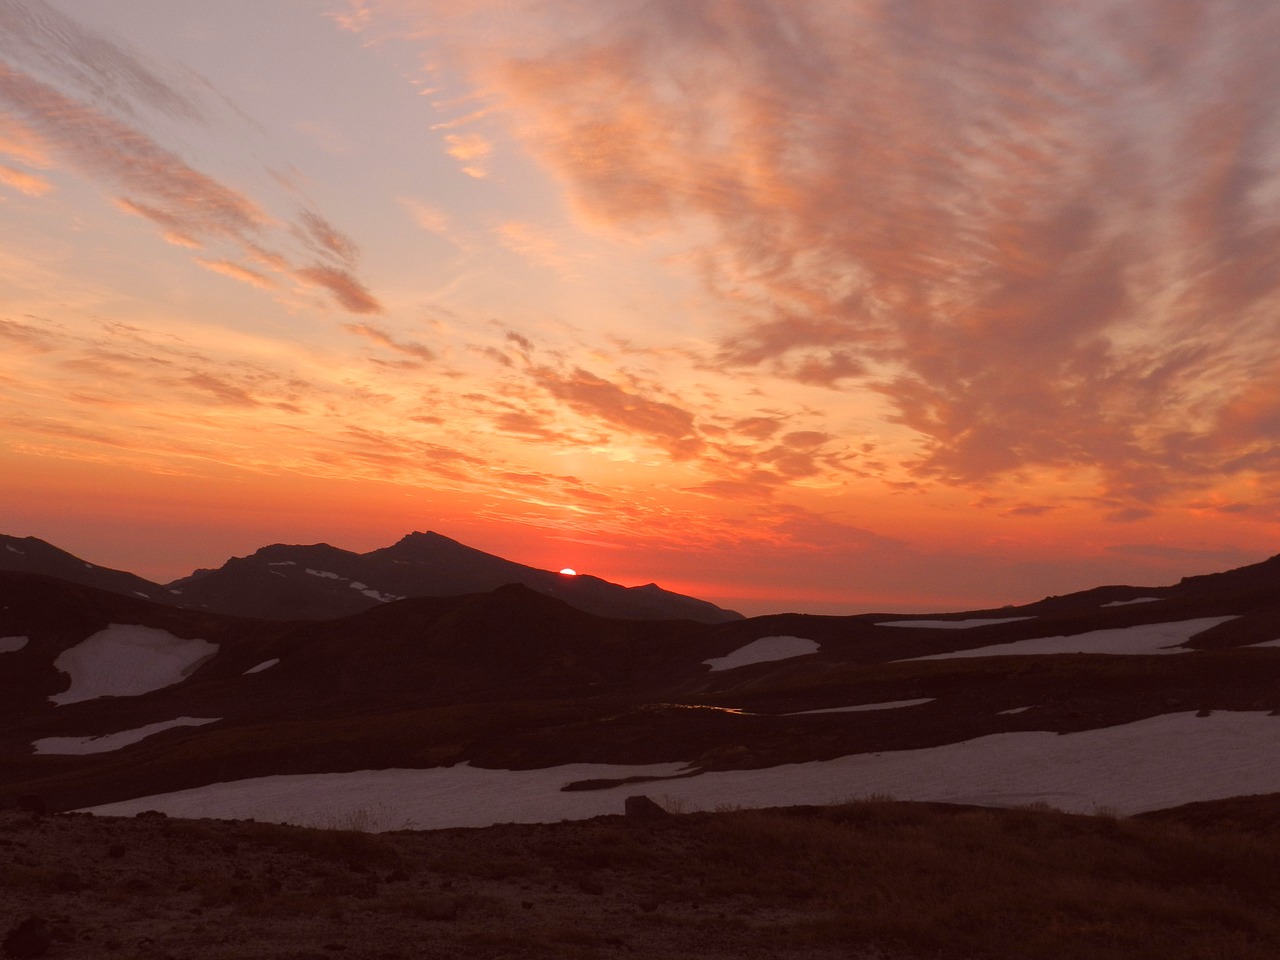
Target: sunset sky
x=820 y=305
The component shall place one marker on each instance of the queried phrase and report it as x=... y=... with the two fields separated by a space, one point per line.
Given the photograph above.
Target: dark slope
x=32 y=555
x=320 y=582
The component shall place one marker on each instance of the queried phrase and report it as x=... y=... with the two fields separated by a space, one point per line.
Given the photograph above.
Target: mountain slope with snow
x=113 y=699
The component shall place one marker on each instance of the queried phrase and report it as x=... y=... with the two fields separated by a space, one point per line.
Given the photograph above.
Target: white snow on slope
x=764 y=650
x=1125 y=603
x=325 y=574
x=1265 y=643
x=858 y=708
x=1160 y=762
x=114 y=741
x=374 y=594
x=125 y=660
x=13 y=644
x=12 y=549
x=264 y=665
x=1144 y=639
x=949 y=624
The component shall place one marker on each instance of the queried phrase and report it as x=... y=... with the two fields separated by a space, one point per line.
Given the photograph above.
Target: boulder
x=641 y=807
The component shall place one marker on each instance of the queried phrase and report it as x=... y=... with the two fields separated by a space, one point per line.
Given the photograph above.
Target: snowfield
x=1160 y=762
x=950 y=624
x=114 y=741
x=1145 y=639
x=13 y=644
x=764 y=650
x=125 y=660
x=860 y=707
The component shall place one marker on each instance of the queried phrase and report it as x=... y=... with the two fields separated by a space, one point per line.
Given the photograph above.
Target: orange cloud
x=23 y=182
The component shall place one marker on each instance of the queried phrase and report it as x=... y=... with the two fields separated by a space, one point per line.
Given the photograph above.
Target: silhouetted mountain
x=319 y=582
x=32 y=555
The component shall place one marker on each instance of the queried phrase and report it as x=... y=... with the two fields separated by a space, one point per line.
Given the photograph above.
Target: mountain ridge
x=319 y=581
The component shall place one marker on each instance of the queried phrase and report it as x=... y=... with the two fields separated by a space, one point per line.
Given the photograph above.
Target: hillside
x=512 y=705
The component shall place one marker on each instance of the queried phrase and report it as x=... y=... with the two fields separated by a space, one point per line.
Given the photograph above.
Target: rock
x=641 y=807
x=30 y=938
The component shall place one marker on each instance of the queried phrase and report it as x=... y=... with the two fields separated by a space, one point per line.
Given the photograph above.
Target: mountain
x=320 y=582
x=32 y=555
x=509 y=704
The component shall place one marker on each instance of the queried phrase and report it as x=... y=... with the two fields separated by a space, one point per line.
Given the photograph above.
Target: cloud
x=669 y=426
x=33 y=31
x=1043 y=235
x=28 y=183
x=345 y=288
x=100 y=131
x=328 y=240
x=238 y=272
x=417 y=351
x=471 y=150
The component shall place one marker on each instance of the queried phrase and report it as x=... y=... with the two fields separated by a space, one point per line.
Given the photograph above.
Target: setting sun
x=569 y=572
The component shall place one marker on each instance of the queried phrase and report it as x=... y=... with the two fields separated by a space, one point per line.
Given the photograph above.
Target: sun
x=569 y=572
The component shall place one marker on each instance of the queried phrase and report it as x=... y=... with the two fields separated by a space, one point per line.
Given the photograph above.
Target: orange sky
x=819 y=305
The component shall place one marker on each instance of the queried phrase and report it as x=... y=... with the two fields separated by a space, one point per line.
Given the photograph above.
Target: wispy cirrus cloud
x=76 y=100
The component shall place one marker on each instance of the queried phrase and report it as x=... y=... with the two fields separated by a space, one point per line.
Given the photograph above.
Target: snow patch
x=949 y=624
x=1160 y=762
x=144 y=596
x=13 y=644
x=858 y=708
x=125 y=660
x=764 y=650
x=374 y=594
x=113 y=741
x=1141 y=640
x=284 y=563
x=1011 y=711
x=264 y=665
x=12 y=549
x=325 y=574
x=1125 y=603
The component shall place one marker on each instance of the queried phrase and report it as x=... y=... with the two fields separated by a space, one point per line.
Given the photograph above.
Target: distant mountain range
x=110 y=691
x=320 y=582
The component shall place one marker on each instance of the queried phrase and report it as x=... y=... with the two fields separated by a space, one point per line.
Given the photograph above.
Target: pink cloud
x=1044 y=236
x=342 y=286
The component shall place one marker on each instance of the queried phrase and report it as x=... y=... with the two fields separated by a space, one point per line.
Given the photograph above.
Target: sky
x=822 y=305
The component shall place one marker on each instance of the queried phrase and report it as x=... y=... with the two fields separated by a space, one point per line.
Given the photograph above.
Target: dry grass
x=867 y=878
x=979 y=882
